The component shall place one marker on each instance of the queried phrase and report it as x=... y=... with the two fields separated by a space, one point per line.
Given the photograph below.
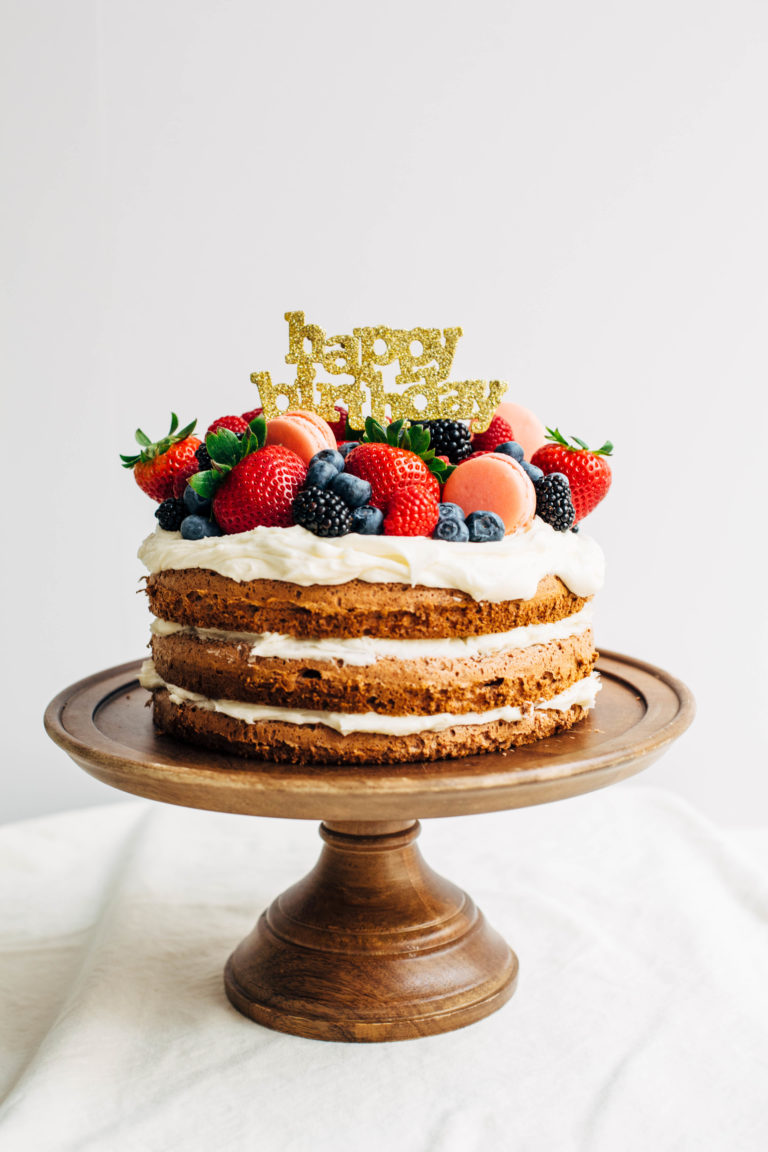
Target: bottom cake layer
x=316 y=743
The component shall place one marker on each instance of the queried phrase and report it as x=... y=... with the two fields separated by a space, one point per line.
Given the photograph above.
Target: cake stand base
x=371 y=945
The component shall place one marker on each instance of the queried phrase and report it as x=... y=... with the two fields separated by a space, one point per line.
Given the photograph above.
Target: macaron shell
x=299 y=435
x=493 y=483
x=529 y=431
x=321 y=425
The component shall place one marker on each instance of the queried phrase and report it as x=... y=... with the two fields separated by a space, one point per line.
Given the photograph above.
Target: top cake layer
x=507 y=569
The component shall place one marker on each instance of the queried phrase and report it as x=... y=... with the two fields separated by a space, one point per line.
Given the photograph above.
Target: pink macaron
x=305 y=433
x=529 y=431
x=493 y=483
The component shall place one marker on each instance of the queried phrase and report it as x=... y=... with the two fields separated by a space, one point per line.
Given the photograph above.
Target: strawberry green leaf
x=606 y=450
x=142 y=438
x=223 y=447
x=174 y=423
x=206 y=483
x=258 y=427
x=580 y=443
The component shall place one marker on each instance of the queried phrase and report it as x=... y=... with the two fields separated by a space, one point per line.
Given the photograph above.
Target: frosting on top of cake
x=507 y=569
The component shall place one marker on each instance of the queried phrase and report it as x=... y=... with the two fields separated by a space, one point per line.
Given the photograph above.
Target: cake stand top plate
x=103 y=722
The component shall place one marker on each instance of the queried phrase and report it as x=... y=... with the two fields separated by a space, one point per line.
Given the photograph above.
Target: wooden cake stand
x=372 y=944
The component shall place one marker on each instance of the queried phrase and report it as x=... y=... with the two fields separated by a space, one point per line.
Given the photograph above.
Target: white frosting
x=364 y=650
x=508 y=569
x=583 y=692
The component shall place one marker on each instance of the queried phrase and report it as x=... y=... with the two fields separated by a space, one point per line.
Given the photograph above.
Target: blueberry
x=196 y=527
x=534 y=472
x=321 y=472
x=368 y=521
x=485 y=527
x=332 y=456
x=451 y=528
x=353 y=491
x=194 y=503
x=511 y=448
x=450 y=511
x=345 y=449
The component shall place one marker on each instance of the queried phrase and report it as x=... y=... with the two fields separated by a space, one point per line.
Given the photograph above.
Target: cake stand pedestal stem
x=371 y=945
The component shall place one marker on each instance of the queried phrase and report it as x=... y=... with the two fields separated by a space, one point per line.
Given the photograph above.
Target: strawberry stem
x=556 y=436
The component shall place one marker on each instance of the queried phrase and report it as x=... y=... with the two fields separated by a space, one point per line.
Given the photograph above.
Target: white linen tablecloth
x=640 y=1021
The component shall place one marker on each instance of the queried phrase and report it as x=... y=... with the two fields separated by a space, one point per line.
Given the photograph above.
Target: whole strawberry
x=499 y=431
x=386 y=469
x=236 y=424
x=251 y=485
x=588 y=472
x=396 y=457
x=259 y=491
x=162 y=468
x=412 y=511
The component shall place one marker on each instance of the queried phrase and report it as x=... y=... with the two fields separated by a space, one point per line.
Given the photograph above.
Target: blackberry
x=170 y=514
x=553 y=501
x=449 y=438
x=322 y=512
x=203 y=458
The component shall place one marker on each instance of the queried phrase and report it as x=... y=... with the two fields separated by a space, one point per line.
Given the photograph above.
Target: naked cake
x=409 y=592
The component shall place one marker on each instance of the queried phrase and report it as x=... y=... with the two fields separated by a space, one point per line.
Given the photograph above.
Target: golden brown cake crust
x=205 y=599
x=315 y=744
x=223 y=671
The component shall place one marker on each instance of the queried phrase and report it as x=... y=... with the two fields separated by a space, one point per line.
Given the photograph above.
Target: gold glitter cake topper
x=422 y=389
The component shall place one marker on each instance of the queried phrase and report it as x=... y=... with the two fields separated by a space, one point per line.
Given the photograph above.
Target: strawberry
x=248 y=416
x=386 y=469
x=499 y=431
x=236 y=424
x=588 y=472
x=395 y=457
x=161 y=469
x=259 y=490
x=412 y=511
x=339 y=427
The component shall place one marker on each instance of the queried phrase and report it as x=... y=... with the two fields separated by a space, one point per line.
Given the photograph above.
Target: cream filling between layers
x=508 y=569
x=363 y=650
x=583 y=693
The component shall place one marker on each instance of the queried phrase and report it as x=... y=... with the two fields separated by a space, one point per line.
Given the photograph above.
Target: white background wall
x=582 y=187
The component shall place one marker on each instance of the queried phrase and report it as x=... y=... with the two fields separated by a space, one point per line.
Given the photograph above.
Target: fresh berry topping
x=367 y=521
x=451 y=528
x=387 y=469
x=511 y=448
x=411 y=511
x=203 y=459
x=339 y=427
x=485 y=527
x=588 y=472
x=352 y=490
x=254 y=412
x=533 y=472
x=321 y=512
x=346 y=447
x=161 y=469
x=170 y=514
x=195 y=504
x=499 y=431
x=197 y=527
x=320 y=473
x=332 y=457
x=553 y=501
x=449 y=438
x=411 y=438
x=451 y=511
x=236 y=424
x=259 y=490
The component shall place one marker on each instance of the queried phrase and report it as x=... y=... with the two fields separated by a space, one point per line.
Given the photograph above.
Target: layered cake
x=281 y=645
x=399 y=594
